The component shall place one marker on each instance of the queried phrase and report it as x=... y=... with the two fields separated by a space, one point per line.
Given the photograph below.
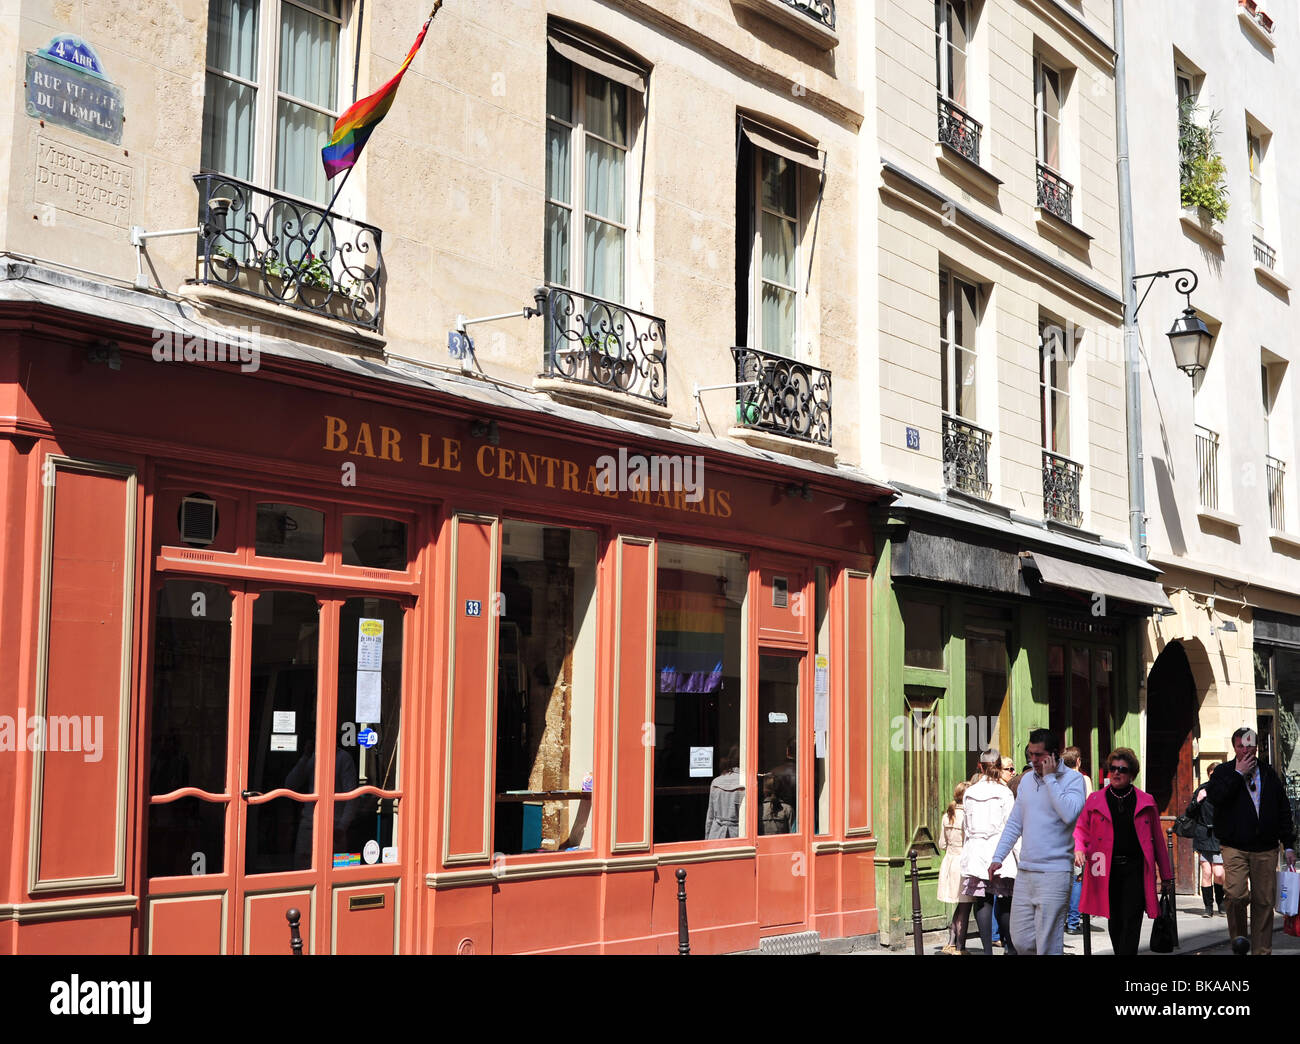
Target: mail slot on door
x=365 y=902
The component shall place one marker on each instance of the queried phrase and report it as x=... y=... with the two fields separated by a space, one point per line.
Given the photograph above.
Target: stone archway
x=1173 y=724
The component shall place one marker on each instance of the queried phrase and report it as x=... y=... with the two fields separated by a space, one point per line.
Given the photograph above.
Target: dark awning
x=1090 y=580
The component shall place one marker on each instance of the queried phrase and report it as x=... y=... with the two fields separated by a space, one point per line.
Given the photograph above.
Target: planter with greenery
x=1200 y=165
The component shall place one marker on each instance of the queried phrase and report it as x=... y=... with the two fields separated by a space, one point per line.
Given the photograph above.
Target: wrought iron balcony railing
x=1264 y=254
x=1055 y=194
x=966 y=457
x=589 y=340
x=1207 y=467
x=286 y=251
x=1062 y=479
x=959 y=130
x=818 y=10
x=792 y=398
x=1275 y=470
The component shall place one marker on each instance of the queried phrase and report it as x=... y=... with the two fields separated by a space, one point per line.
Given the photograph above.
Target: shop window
x=821 y=705
x=283 y=670
x=699 y=785
x=367 y=725
x=188 y=727
x=374 y=543
x=778 y=744
x=290 y=531
x=272 y=91
x=1081 y=700
x=923 y=635
x=546 y=689
x=988 y=694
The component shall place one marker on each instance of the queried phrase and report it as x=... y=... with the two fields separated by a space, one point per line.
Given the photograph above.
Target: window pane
x=375 y=543
x=1061 y=423
x=987 y=694
x=228 y=121
x=300 y=133
x=309 y=57
x=557 y=245
x=369 y=695
x=778 y=321
x=821 y=706
x=290 y=531
x=191 y=687
x=232 y=37
x=1081 y=710
x=546 y=689
x=965 y=384
x=1051 y=93
x=559 y=88
x=558 y=164
x=699 y=789
x=282 y=679
x=778 y=249
x=606 y=178
x=923 y=635
x=329 y=7
x=606 y=108
x=187 y=838
x=967 y=316
x=604 y=249
x=778 y=184
x=778 y=749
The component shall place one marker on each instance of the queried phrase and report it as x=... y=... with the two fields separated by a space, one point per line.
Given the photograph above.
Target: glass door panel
x=778 y=744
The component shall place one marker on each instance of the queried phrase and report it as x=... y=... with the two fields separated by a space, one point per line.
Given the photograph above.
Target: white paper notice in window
x=701 y=761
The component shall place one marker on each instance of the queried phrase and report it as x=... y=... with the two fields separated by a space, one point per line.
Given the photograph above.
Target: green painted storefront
x=970 y=650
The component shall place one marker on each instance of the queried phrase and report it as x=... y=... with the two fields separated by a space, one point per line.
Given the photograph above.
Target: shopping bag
x=1291 y=926
x=1164 y=932
x=1288 y=891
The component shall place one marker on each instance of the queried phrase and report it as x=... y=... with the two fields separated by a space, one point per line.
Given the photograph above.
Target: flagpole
x=348 y=173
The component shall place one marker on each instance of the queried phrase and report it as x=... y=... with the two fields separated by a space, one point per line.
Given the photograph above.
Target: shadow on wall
x=1168 y=506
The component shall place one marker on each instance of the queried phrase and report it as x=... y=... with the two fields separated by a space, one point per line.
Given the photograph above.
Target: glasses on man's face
x=1120 y=768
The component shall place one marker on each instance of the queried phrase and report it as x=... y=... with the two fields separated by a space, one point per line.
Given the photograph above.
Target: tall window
x=272 y=92
x=1047 y=108
x=586 y=180
x=951 y=27
x=1254 y=158
x=958 y=316
x=1054 y=359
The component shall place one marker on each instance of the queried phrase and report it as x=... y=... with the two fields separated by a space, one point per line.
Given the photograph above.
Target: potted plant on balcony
x=1200 y=166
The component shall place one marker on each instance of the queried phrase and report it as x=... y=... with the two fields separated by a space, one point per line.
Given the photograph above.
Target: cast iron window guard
x=589 y=340
x=1055 y=194
x=966 y=457
x=1207 y=467
x=1264 y=254
x=1276 y=473
x=275 y=247
x=1062 y=478
x=818 y=10
x=959 y=130
x=792 y=398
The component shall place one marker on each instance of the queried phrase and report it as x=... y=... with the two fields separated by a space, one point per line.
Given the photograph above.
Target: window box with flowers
x=1203 y=189
x=1256 y=23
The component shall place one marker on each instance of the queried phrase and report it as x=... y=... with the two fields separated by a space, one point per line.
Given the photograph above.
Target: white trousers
x=1038 y=910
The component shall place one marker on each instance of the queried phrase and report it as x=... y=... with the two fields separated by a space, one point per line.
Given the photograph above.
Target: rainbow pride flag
x=354 y=127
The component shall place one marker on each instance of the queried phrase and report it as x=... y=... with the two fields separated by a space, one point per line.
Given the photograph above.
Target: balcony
x=822 y=11
x=285 y=251
x=1062 y=479
x=1207 y=468
x=1055 y=194
x=1275 y=472
x=792 y=399
x=814 y=20
x=966 y=457
x=1265 y=255
x=959 y=131
x=598 y=343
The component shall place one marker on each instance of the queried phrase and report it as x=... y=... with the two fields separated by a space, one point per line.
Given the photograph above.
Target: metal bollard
x=918 y=933
x=1173 y=892
x=683 y=930
x=1087 y=936
x=295 y=936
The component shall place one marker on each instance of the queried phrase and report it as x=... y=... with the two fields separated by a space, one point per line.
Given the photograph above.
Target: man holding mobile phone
x=1252 y=816
x=1047 y=804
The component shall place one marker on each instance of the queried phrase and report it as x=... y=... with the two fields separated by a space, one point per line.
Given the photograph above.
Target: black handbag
x=1164 y=930
x=1185 y=825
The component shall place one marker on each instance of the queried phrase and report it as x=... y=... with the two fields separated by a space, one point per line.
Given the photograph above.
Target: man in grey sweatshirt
x=1047 y=804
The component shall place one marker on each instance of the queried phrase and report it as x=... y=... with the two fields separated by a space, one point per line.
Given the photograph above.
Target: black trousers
x=1127 y=904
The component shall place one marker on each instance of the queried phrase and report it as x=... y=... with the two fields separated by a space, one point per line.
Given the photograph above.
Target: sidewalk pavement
x=1196 y=935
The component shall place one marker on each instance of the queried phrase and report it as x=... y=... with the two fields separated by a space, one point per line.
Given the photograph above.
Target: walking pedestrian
x=1047 y=806
x=988 y=806
x=1200 y=810
x=1251 y=817
x=1118 y=845
x=952 y=836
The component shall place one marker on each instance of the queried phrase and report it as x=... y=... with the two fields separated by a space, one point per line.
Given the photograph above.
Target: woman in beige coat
x=952 y=835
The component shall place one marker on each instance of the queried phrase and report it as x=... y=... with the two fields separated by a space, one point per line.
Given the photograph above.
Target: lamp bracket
x=1186 y=282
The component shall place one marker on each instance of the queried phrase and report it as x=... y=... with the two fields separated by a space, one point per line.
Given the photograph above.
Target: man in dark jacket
x=1251 y=817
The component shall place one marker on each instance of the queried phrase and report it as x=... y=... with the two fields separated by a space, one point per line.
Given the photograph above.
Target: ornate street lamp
x=1189 y=337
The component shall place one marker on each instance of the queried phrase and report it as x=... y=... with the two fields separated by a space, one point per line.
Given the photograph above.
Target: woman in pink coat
x=1118 y=844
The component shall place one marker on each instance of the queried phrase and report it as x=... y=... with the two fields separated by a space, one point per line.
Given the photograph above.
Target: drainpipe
x=1132 y=368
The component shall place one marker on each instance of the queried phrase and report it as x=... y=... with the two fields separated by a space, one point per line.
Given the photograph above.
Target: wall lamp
x=106 y=352
x=1189 y=337
x=486 y=429
x=218 y=209
x=796 y=489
